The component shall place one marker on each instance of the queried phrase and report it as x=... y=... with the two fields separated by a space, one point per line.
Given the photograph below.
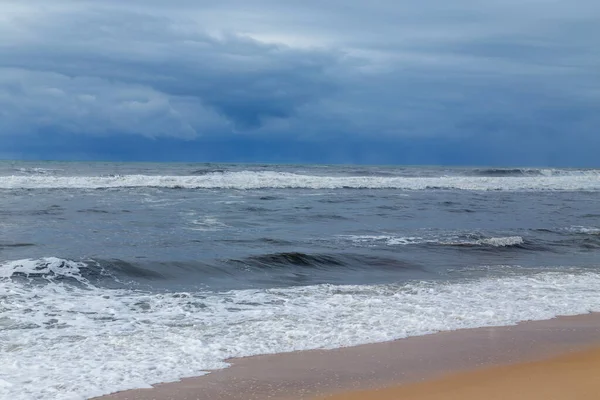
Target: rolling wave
x=119 y=273
x=533 y=172
x=467 y=241
x=509 y=241
x=14 y=245
x=207 y=171
x=510 y=172
x=584 y=230
x=284 y=180
x=323 y=261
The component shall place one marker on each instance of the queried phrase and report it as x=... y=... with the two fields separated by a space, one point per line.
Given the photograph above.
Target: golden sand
x=573 y=376
x=503 y=361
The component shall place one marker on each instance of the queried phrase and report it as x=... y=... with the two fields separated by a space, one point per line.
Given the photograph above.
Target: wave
x=571 y=230
x=207 y=171
x=509 y=172
x=582 y=237
x=584 y=230
x=465 y=241
x=53 y=331
x=389 y=240
x=285 y=180
x=323 y=261
x=37 y=171
x=47 y=266
x=294 y=258
x=13 y=245
x=533 y=172
x=578 y=232
x=508 y=241
x=47 y=269
x=80 y=273
x=261 y=241
x=586 y=244
x=122 y=274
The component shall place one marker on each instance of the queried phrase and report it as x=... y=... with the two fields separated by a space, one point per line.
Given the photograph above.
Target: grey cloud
x=39 y=100
x=303 y=68
x=240 y=78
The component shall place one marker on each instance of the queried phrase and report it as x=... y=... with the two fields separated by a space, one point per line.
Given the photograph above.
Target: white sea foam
x=207 y=224
x=585 y=230
x=273 y=179
x=48 y=267
x=391 y=240
x=60 y=341
x=569 y=172
x=501 y=241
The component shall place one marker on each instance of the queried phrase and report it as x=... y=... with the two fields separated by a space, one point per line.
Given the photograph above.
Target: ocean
x=120 y=275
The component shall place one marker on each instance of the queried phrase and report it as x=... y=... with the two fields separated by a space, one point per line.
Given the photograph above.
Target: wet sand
x=317 y=373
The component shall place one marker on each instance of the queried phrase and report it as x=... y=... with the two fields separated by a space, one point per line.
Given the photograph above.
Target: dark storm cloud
x=495 y=71
x=242 y=79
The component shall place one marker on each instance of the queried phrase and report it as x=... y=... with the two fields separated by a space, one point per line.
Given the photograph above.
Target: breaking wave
x=533 y=172
x=584 y=230
x=272 y=179
x=509 y=241
x=466 y=241
x=61 y=333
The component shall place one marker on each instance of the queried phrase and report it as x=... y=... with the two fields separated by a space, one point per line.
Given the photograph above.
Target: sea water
x=117 y=276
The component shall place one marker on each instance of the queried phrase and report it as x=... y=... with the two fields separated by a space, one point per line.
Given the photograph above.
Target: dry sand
x=310 y=374
x=568 y=377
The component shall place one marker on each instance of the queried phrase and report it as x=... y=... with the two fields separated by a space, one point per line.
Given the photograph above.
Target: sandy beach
x=553 y=359
x=571 y=376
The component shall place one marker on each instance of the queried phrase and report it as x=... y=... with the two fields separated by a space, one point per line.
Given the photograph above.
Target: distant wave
x=490 y=242
x=207 y=171
x=37 y=171
x=509 y=172
x=13 y=245
x=271 y=179
x=571 y=230
x=389 y=240
x=584 y=230
x=574 y=231
x=532 y=172
x=586 y=238
x=498 y=242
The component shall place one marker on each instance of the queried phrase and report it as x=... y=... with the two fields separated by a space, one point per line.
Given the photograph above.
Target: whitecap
x=244 y=180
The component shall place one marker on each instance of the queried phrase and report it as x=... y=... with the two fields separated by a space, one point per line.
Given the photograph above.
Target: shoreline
x=314 y=374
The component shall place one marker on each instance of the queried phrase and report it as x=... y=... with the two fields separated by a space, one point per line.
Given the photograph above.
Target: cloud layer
x=491 y=72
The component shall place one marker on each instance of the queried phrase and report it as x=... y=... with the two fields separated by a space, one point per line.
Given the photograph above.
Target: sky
x=462 y=82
